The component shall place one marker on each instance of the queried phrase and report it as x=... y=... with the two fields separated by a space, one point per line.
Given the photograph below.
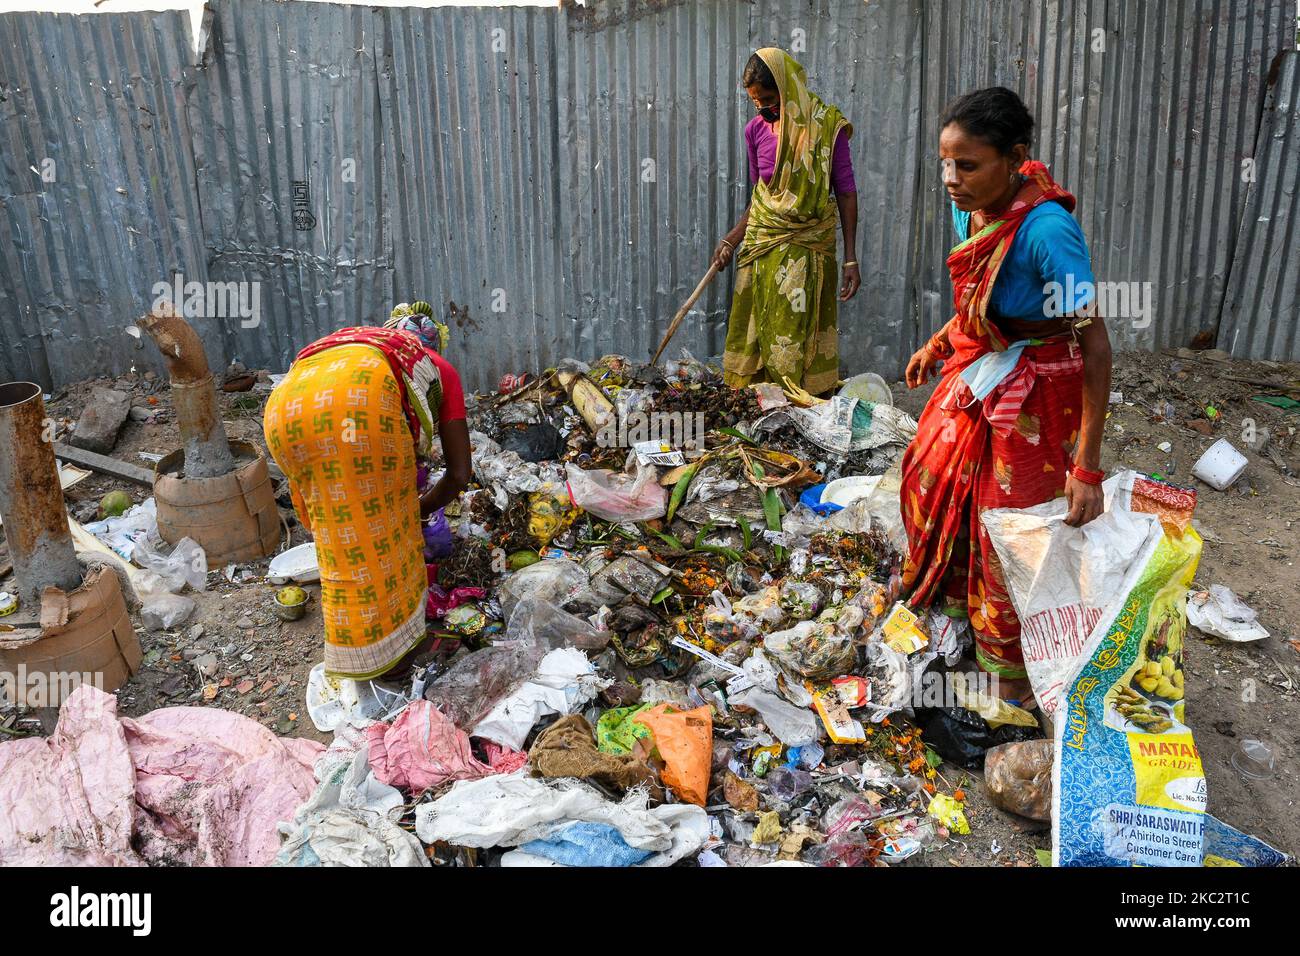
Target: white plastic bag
x=565 y=680
x=1221 y=613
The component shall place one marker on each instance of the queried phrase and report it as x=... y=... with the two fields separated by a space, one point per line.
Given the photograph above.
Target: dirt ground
x=234 y=653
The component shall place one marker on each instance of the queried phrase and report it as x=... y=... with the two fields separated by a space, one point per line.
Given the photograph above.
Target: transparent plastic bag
x=186 y=563
x=160 y=609
x=801 y=600
x=618 y=497
x=476 y=683
x=536 y=620
x=814 y=649
x=789 y=724
x=557 y=581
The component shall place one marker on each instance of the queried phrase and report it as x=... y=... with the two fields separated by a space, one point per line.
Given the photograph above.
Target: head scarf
x=417 y=318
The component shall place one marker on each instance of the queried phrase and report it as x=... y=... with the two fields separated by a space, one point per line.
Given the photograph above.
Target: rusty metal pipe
x=31 y=498
x=194 y=395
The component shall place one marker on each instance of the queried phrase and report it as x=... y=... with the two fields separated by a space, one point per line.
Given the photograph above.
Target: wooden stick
x=104 y=464
x=681 y=313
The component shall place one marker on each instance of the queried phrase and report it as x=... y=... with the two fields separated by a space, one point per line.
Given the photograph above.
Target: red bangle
x=1086 y=476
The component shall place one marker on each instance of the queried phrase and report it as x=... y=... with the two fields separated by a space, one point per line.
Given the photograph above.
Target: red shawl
x=974 y=263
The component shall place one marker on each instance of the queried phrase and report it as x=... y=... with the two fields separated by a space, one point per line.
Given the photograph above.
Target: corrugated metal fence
x=561 y=176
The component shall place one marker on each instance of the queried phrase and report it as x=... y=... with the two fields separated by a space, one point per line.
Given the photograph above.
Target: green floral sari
x=783 y=314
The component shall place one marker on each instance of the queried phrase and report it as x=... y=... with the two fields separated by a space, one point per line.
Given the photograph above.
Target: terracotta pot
x=233 y=516
x=97 y=645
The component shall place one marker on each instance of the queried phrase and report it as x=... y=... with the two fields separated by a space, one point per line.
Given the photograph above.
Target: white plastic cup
x=1221 y=465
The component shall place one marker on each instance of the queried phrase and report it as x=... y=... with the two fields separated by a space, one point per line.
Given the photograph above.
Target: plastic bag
x=120 y=533
x=549 y=512
x=555 y=581
x=473 y=685
x=723 y=625
x=178 y=566
x=1221 y=613
x=789 y=724
x=160 y=609
x=562 y=683
x=801 y=600
x=617 y=732
x=684 y=740
x=438 y=541
x=537 y=620
x=814 y=649
x=1018 y=778
x=618 y=497
x=963 y=736
x=761 y=609
x=164 y=610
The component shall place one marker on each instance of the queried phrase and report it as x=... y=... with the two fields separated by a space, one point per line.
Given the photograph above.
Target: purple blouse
x=761 y=140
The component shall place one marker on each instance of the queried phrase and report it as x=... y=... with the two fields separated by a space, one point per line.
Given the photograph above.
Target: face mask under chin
x=770 y=113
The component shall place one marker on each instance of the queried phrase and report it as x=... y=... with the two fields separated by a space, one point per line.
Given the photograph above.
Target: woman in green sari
x=783 y=315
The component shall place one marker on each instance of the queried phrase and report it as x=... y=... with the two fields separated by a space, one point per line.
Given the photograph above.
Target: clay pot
x=233 y=516
x=96 y=645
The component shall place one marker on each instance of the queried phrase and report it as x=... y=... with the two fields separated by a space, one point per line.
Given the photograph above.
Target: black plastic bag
x=538 y=442
x=962 y=736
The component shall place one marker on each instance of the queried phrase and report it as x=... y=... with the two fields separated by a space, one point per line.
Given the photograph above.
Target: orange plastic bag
x=684 y=740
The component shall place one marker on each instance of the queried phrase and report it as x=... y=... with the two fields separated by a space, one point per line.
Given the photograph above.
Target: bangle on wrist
x=1086 y=475
x=728 y=244
x=851 y=262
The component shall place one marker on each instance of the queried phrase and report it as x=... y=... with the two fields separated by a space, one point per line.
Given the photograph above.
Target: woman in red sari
x=1017 y=416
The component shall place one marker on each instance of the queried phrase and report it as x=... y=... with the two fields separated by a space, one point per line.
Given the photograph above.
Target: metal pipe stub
x=31 y=498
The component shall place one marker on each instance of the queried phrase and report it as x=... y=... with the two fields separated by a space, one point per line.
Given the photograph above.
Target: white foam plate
x=297 y=564
x=845 y=491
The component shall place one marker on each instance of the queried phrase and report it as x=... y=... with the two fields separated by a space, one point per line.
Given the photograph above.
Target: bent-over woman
x=347 y=425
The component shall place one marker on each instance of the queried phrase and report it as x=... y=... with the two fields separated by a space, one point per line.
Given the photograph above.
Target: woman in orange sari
x=1017 y=416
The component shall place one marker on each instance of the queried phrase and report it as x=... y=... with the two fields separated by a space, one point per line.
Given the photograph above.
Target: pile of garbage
x=671 y=632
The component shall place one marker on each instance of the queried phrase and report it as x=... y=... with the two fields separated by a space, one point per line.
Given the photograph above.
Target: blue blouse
x=1049 y=247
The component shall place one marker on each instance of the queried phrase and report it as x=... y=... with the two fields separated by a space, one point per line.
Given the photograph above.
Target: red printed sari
x=1011 y=450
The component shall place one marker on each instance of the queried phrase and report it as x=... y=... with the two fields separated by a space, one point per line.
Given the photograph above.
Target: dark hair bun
x=995 y=114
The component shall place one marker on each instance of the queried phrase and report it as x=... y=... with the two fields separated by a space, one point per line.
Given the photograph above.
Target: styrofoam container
x=868 y=387
x=1221 y=465
x=297 y=564
x=845 y=491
